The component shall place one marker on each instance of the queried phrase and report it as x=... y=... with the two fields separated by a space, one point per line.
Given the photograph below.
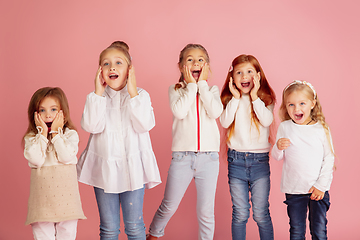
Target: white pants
x=65 y=230
x=203 y=167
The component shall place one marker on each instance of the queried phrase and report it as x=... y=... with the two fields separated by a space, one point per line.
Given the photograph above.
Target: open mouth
x=196 y=74
x=113 y=76
x=245 y=84
x=48 y=124
x=298 y=116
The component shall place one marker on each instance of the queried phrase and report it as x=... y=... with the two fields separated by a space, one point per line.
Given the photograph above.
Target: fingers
x=204 y=72
x=283 y=143
x=187 y=75
x=316 y=194
x=234 y=91
x=99 y=82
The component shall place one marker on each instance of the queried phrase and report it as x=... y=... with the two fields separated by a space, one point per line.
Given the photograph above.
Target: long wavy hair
x=181 y=58
x=265 y=92
x=34 y=104
x=316 y=113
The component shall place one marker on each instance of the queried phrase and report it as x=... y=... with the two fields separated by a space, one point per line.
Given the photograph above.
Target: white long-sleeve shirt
x=195 y=109
x=119 y=155
x=62 y=149
x=246 y=137
x=308 y=161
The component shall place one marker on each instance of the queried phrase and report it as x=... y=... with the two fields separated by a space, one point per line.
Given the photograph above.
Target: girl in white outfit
x=118 y=161
x=51 y=145
x=304 y=142
x=196 y=140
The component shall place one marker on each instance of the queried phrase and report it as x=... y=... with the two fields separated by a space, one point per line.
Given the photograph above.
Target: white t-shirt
x=308 y=161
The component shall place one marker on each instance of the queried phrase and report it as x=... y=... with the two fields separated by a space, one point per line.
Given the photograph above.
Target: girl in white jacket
x=196 y=140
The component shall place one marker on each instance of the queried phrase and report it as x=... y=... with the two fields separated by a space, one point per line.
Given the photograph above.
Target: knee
x=261 y=215
x=240 y=216
x=109 y=228
x=135 y=228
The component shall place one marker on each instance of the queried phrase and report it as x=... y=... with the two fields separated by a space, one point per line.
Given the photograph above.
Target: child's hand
x=204 y=72
x=283 y=143
x=41 y=123
x=254 y=91
x=187 y=75
x=131 y=82
x=234 y=91
x=99 y=82
x=58 y=122
x=316 y=194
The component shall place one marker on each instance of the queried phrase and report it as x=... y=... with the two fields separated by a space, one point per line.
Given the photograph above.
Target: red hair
x=265 y=92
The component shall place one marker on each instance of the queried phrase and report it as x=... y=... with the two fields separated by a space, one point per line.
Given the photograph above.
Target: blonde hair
x=181 y=58
x=316 y=113
x=118 y=45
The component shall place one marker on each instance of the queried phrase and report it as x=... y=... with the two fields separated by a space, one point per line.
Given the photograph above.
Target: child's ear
x=313 y=103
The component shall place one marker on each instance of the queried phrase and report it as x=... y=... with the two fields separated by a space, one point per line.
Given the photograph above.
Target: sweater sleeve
x=141 y=112
x=210 y=97
x=35 y=148
x=93 y=118
x=66 y=146
x=276 y=153
x=180 y=103
x=325 y=177
x=264 y=114
x=228 y=115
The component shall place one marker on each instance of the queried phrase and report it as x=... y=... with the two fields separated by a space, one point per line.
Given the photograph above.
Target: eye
x=106 y=64
x=201 y=60
x=42 y=110
x=118 y=62
x=189 y=59
x=238 y=72
x=291 y=105
x=302 y=103
x=250 y=71
x=54 y=109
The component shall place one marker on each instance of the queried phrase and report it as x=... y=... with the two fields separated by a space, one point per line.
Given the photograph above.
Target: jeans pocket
x=214 y=156
x=262 y=158
x=178 y=156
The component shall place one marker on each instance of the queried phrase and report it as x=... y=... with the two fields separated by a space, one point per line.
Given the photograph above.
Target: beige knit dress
x=54 y=193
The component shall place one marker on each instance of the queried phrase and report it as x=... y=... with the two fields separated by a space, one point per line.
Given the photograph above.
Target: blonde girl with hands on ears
x=195 y=145
x=248 y=102
x=304 y=142
x=118 y=161
x=51 y=145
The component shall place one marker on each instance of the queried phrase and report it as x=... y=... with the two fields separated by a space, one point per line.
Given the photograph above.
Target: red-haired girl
x=248 y=113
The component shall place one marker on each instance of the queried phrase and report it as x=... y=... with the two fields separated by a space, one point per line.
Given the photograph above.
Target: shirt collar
x=112 y=93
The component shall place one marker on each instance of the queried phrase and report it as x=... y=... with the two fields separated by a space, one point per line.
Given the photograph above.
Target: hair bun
x=120 y=44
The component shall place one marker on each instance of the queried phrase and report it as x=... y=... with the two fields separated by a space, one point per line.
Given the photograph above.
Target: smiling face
x=299 y=106
x=243 y=76
x=48 y=109
x=114 y=69
x=194 y=59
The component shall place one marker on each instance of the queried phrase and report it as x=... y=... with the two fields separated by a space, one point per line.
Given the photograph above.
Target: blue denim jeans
x=250 y=172
x=109 y=210
x=203 y=167
x=297 y=207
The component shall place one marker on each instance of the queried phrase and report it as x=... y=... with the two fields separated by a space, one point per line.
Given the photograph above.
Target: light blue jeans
x=250 y=172
x=109 y=210
x=203 y=167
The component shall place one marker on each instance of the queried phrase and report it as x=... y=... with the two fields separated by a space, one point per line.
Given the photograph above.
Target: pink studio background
x=57 y=43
